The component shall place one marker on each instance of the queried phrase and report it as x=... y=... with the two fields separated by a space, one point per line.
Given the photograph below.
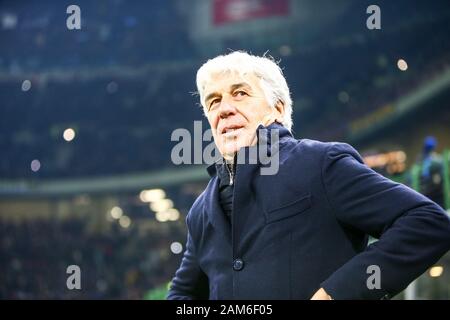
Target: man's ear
x=280 y=110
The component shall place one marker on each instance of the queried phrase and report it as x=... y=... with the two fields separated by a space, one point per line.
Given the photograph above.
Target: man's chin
x=231 y=149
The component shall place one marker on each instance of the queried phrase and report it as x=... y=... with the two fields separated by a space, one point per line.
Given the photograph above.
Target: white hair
x=271 y=77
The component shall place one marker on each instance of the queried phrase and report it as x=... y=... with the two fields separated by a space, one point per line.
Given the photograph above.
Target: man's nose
x=226 y=109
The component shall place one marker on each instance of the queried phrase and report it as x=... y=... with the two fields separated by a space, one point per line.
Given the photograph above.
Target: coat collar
x=263 y=134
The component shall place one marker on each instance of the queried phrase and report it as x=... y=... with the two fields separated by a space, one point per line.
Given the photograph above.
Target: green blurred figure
x=431 y=176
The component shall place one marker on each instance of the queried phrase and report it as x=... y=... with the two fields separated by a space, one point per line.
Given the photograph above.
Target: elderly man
x=302 y=232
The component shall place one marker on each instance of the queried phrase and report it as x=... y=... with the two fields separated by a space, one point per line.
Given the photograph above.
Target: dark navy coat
x=307 y=227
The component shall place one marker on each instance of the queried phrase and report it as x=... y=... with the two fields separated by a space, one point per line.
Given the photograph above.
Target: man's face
x=235 y=107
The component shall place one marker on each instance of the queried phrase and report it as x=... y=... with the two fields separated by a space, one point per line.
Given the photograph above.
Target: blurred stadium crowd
x=115 y=264
x=125 y=81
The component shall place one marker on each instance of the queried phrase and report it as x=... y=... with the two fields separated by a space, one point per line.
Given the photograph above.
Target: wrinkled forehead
x=224 y=80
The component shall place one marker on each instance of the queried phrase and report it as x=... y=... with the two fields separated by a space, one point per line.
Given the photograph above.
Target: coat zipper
x=231 y=174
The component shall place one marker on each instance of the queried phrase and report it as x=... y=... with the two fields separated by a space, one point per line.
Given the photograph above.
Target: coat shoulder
x=312 y=148
x=318 y=149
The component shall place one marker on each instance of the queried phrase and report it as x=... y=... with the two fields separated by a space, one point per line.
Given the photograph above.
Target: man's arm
x=413 y=231
x=190 y=282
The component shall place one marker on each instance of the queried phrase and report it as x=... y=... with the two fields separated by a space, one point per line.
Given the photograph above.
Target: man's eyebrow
x=239 y=85
x=232 y=88
x=211 y=95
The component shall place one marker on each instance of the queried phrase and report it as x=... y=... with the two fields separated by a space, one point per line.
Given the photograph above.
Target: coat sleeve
x=190 y=282
x=413 y=231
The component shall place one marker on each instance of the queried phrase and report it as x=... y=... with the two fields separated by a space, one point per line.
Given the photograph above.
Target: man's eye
x=240 y=93
x=213 y=102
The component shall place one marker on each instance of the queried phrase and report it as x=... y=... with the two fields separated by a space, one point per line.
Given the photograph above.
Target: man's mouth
x=232 y=133
x=231 y=129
